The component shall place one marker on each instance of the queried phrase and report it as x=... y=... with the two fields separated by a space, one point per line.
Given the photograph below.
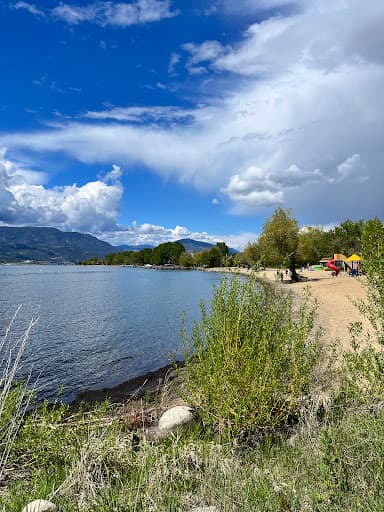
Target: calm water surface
x=98 y=326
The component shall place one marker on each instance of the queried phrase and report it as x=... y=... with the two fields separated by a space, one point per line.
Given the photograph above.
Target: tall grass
x=251 y=358
x=14 y=398
x=250 y=363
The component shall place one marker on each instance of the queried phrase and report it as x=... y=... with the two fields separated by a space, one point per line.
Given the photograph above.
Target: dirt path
x=335 y=296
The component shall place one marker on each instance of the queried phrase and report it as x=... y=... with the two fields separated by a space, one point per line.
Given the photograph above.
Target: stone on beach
x=40 y=506
x=204 y=509
x=177 y=417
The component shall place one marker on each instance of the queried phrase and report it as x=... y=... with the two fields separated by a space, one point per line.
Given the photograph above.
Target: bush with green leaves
x=251 y=357
x=364 y=364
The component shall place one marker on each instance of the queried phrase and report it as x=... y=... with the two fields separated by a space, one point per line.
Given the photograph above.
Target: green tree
x=314 y=244
x=144 y=256
x=279 y=240
x=373 y=261
x=251 y=256
x=166 y=253
x=346 y=238
x=186 y=260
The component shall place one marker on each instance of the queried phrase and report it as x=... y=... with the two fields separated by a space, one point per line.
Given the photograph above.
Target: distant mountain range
x=50 y=245
x=197 y=246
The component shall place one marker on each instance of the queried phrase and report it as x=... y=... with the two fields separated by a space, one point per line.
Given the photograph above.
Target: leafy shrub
x=251 y=358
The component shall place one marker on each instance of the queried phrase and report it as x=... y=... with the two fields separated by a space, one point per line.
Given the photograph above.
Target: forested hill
x=49 y=245
x=198 y=246
x=195 y=245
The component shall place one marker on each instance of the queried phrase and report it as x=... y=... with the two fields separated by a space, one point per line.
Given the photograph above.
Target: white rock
x=40 y=506
x=176 y=417
x=204 y=509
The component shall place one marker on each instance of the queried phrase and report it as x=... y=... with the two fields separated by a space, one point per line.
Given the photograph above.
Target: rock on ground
x=176 y=417
x=40 y=506
x=204 y=509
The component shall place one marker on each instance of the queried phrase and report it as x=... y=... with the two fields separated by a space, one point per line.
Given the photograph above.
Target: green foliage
x=216 y=256
x=351 y=452
x=93 y=261
x=373 y=260
x=250 y=361
x=251 y=256
x=186 y=260
x=168 y=252
x=314 y=244
x=346 y=238
x=279 y=240
x=129 y=257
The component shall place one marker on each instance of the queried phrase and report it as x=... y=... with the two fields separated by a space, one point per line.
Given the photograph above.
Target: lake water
x=98 y=326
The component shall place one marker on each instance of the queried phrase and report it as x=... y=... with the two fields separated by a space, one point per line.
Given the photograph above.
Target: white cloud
x=173 y=62
x=252 y=189
x=246 y=7
x=115 y=14
x=352 y=168
x=112 y=176
x=142 y=114
x=153 y=234
x=93 y=207
x=304 y=109
x=31 y=8
x=204 y=52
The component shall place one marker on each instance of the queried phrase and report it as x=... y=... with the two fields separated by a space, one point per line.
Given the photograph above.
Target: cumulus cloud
x=153 y=234
x=253 y=188
x=93 y=207
x=352 y=168
x=301 y=126
x=115 y=14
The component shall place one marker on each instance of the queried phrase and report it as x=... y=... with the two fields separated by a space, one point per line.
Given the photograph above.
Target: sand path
x=335 y=296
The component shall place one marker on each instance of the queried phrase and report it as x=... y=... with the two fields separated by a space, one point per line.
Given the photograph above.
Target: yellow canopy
x=354 y=257
x=339 y=257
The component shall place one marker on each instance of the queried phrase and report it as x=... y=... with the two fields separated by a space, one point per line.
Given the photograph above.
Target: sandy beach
x=335 y=297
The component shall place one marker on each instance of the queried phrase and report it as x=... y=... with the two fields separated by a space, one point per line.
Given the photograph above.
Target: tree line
x=169 y=253
x=281 y=243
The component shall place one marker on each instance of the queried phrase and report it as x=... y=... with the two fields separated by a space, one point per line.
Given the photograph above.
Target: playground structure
x=352 y=266
x=331 y=264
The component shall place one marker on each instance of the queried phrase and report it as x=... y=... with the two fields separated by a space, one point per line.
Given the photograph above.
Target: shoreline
x=335 y=312
x=131 y=389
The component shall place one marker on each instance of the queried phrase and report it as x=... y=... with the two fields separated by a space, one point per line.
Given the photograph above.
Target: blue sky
x=153 y=120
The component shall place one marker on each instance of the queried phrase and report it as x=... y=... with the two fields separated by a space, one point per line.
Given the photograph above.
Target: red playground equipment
x=333 y=267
